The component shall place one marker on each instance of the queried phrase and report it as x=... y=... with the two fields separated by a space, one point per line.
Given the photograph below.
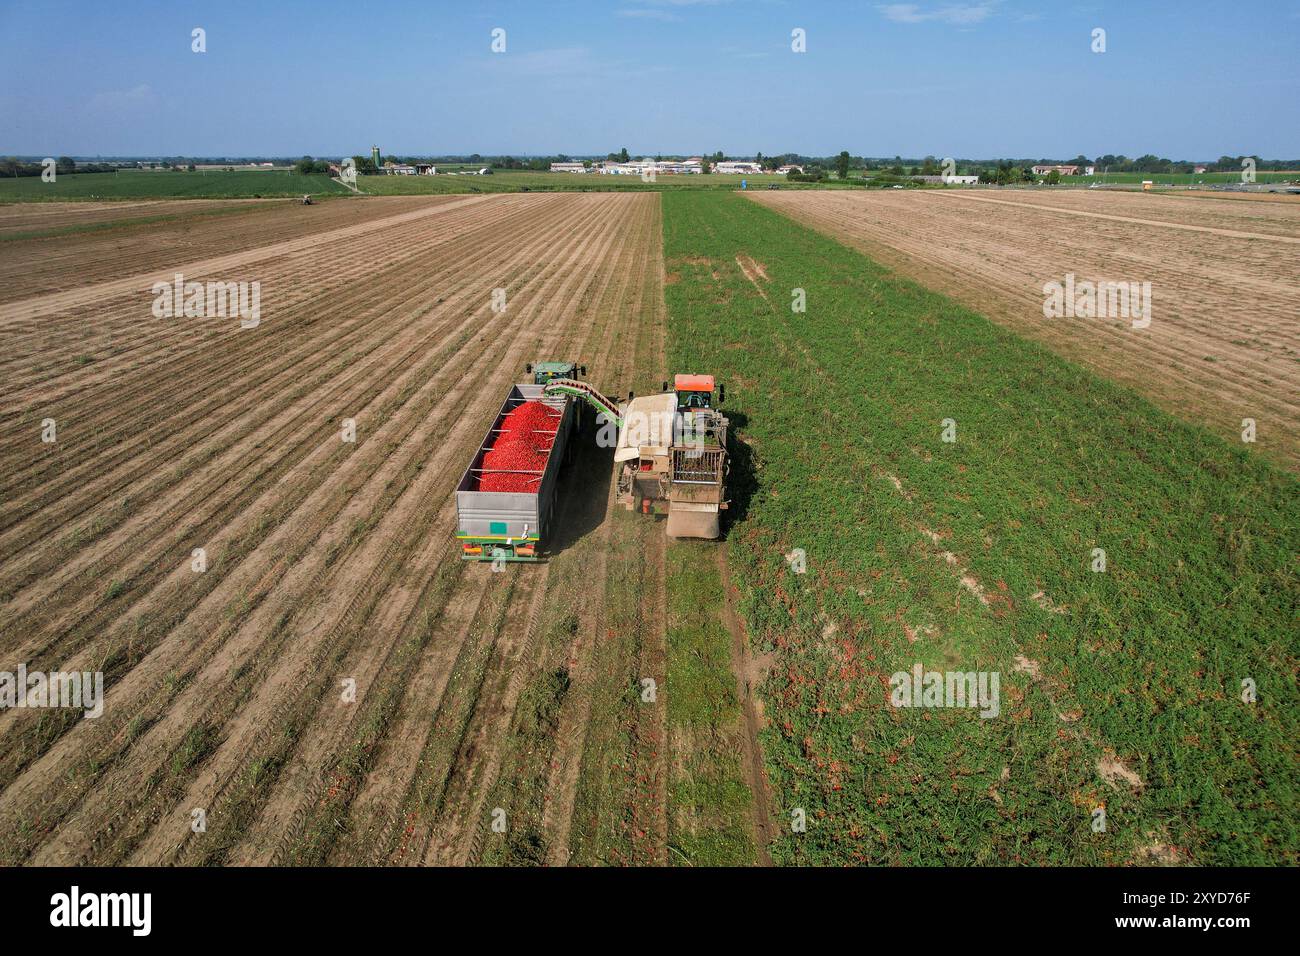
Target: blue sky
x=966 y=78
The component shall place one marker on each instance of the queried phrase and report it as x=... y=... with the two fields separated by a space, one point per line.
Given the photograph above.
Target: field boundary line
x=754 y=760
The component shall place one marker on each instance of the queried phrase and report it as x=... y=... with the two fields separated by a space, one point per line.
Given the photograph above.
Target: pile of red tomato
x=523 y=445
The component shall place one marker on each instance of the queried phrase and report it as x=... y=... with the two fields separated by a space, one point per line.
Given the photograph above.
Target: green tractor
x=544 y=372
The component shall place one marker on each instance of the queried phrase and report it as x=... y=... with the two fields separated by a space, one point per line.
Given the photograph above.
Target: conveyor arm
x=586 y=392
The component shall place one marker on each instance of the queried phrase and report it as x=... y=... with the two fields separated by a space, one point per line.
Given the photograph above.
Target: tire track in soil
x=438 y=842
x=652 y=759
x=468 y=808
x=460 y=838
x=630 y=266
x=386 y=784
x=562 y=782
x=743 y=667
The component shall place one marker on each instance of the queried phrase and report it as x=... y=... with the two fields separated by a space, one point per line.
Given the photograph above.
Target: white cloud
x=959 y=14
x=650 y=13
x=576 y=64
x=662 y=9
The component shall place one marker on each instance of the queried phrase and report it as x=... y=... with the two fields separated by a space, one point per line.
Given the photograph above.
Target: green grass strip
x=1143 y=669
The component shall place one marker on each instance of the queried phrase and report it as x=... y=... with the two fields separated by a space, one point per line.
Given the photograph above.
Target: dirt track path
x=747 y=677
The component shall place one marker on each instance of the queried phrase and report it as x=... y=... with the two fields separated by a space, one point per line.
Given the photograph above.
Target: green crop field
x=166 y=184
x=247 y=184
x=1120 y=690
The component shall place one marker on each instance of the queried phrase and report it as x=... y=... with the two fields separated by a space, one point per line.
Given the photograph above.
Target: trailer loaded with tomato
x=670 y=459
x=506 y=499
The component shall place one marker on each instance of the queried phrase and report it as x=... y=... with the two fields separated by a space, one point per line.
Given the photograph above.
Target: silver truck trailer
x=514 y=525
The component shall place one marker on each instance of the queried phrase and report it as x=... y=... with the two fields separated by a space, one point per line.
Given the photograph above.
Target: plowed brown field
x=61 y=262
x=328 y=562
x=38 y=216
x=1224 y=340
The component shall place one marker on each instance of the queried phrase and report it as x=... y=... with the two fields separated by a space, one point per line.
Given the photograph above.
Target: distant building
x=946 y=180
x=568 y=168
x=631 y=168
x=737 y=168
x=648 y=167
x=397 y=169
x=787 y=170
x=1198 y=169
x=1063 y=170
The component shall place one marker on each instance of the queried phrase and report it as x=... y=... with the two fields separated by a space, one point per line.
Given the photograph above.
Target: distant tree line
x=1156 y=164
x=15 y=167
x=312 y=167
x=844 y=164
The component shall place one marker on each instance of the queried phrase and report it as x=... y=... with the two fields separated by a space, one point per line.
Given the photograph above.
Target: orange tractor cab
x=695 y=391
